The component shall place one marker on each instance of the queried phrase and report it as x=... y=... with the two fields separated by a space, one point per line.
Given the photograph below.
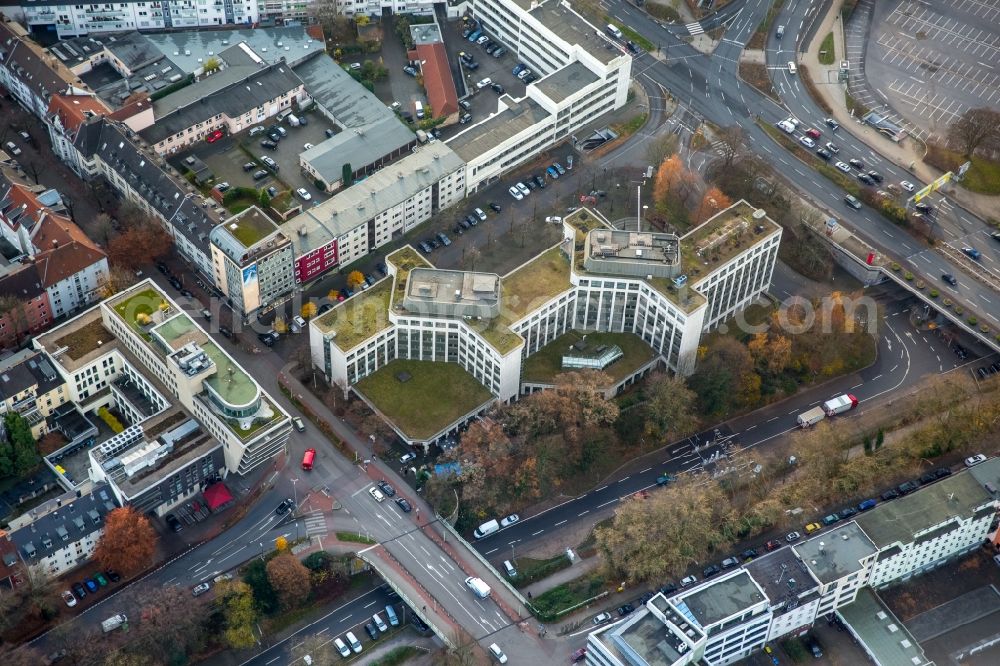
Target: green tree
x=264 y=199
x=6 y=458
x=24 y=449
x=264 y=594
x=670 y=411
x=347 y=174
x=240 y=614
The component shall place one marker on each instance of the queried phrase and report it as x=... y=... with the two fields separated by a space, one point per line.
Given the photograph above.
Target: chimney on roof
x=55 y=242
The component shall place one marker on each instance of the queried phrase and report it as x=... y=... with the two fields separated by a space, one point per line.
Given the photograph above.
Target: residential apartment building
x=24 y=71
x=583 y=75
x=72 y=20
x=242 y=93
x=369 y=214
x=784 y=592
x=253 y=260
x=140 y=352
x=30 y=387
x=374 y=8
x=61 y=534
x=597 y=279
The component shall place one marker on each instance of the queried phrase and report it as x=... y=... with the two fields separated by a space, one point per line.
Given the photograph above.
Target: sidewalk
x=908 y=155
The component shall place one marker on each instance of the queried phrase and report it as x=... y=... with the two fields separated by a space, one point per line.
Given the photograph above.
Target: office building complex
x=784 y=592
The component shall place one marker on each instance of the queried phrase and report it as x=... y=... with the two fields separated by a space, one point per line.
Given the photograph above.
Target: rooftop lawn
x=252 y=226
x=719 y=239
x=84 y=340
x=525 y=288
x=136 y=303
x=359 y=317
x=584 y=222
x=545 y=364
x=257 y=424
x=436 y=395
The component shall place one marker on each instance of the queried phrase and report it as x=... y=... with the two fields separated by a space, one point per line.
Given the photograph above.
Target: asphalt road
x=709 y=87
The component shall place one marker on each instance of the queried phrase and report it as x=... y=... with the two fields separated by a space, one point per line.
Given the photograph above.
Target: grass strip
x=354 y=537
x=827 y=54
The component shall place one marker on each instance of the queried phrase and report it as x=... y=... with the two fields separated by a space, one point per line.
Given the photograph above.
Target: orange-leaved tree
x=128 y=542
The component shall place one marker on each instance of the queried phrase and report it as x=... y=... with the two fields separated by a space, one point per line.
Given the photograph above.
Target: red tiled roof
x=438 y=82
x=72 y=109
x=64 y=250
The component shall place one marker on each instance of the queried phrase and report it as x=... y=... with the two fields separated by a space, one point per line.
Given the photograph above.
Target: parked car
x=972 y=461
x=78 y=590
x=113 y=575
x=91 y=585
x=407 y=457
x=748 y=554
x=249 y=166
x=857 y=164
x=813 y=527
x=829 y=519
x=101 y=580
x=304 y=194
x=687 y=581
x=484 y=83
x=270 y=145
x=260 y=174
x=409 y=70
x=791 y=537
x=376 y=494
x=404 y=505
x=847 y=513
x=772 y=545
x=601 y=618
x=832 y=147
x=68 y=598
x=498 y=89
x=387 y=488
x=515 y=192
x=846 y=168
x=200 y=589
x=510 y=520
x=286 y=505
x=625 y=609
x=522 y=188
x=890 y=494
x=495 y=207
x=214 y=136
x=907 y=185
x=729 y=562
x=173 y=523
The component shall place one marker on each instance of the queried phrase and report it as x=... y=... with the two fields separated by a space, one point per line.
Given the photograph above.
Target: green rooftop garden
x=250 y=227
x=135 y=308
x=175 y=327
x=256 y=426
x=720 y=238
x=545 y=364
x=584 y=222
x=433 y=396
x=537 y=281
x=404 y=259
x=84 y=340
x=230 y=381
x=359 y=317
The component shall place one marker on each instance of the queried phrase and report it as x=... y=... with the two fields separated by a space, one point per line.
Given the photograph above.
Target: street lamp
x=295 y=506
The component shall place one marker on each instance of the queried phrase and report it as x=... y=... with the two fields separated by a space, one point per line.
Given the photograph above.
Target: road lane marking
x=538 y=532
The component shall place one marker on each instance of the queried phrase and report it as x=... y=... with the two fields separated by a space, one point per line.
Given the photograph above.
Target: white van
x=382 y=626
x=791 y=67
x=478 y=587
x=614 y=32
x=353 y=641
x=486 y=529
x=419 y=108
x=342 y=647
x=511 y=571
x=390 y=613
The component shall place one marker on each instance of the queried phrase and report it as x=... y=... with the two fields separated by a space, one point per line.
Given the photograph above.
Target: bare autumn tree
x=670 y=408
x=139 y=244
x=732 y=143
x=289 y=578
x=167 y=627
x=115 y=280
x=128 y=542
x=974 y=128
x=12 y=309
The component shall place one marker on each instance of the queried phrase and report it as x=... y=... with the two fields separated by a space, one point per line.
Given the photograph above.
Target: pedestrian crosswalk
x=694 y=28
x=719 y=147
x=315 y=524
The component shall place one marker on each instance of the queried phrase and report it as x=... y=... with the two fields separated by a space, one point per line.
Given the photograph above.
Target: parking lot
x=936 y=60
x=227 y=156
x=498 y=70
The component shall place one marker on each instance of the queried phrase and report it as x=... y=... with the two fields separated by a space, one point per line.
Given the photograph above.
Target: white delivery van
x=419 y=108
x=614 y=32
x=293 y=120
x=486 y=529
x=478 y=587
x=791 y=67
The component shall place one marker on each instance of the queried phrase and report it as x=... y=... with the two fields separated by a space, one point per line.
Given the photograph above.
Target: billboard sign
x=933 y=187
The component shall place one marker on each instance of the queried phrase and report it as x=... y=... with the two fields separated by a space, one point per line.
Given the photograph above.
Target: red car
x=814 y=133
x=214 y=136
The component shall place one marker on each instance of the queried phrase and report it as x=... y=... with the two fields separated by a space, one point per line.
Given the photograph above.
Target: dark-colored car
x=849 y=512
x=372 y=630
x=748 y=554
x=772 y=545
x=175 y=283
x=923 y=207
x=949 y=278
x=890 y=494
x=92 y=586
x=409 y=70
x=857 y=164
x=495 y=207
x=404 y=505
x=387 y=489
x=113 y=575
x=539 y=181
x=285 y=506
x=866 y=179
x=906 y=487
x=497 y=88
x=260 y=174
x=824 y=153
x=669 y=588
x=876 y=176
x=500 y=52
x=173 y=523
x=270 y=145
x=249 y=166
x=814 y=647
x=225 y=332
x=711 y=570
x=464 y=223
x=382 y=268
x=625 y=610
x=942 y=472
x=831 y=519
x=424 y=247
x=79 y=591
x=101 y=580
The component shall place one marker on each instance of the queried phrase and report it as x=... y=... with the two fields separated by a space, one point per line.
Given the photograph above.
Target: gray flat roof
x=574 y=29
x=645 y=637
x=782 y=575
x=483 y=137
x=349 y=102
x=885 y=637
x=903 y=518
x=837 y=553
x=185 y=47
x=358 y=146
x=233 y=91
x=560 y=84
x=362 y=201
x=716 y=600
x=425 y=33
